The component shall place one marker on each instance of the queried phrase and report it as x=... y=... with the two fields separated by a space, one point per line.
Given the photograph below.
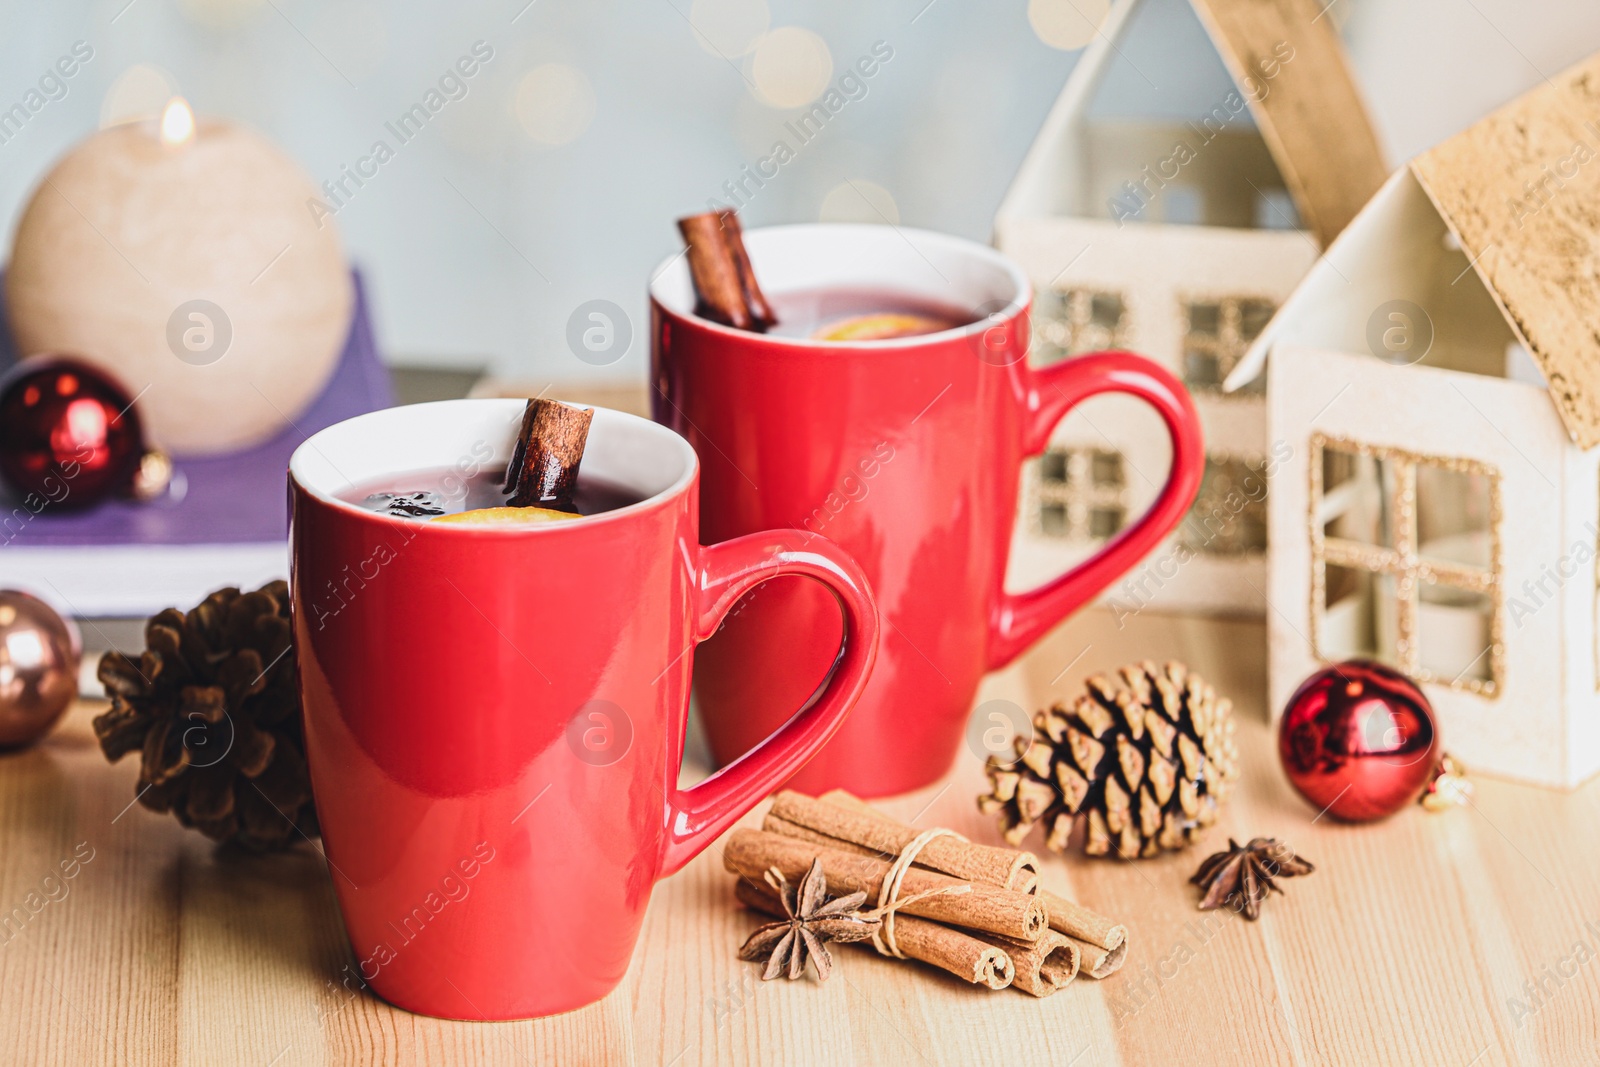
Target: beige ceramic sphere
x=196 y=273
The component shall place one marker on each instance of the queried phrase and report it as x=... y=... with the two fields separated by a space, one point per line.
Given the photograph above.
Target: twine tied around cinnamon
x=889 y=900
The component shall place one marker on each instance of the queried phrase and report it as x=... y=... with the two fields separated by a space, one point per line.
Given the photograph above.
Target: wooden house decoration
x=1436 y=383
x=1201 y=155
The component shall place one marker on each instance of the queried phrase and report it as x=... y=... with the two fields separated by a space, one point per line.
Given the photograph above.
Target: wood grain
x=1406 y=946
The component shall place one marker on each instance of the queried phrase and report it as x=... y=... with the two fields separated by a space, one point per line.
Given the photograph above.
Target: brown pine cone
x=213 y=707
x=1144 y=766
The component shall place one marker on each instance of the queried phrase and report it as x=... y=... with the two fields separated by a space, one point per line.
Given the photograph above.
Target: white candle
x=182 y=257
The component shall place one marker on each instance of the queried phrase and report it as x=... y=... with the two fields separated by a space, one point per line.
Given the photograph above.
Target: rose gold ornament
x=39 y=654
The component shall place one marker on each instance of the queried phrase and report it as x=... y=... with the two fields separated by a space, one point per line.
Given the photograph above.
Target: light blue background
x=942 y=127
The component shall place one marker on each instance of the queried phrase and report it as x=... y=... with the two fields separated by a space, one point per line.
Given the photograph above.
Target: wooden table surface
x=1411 y=943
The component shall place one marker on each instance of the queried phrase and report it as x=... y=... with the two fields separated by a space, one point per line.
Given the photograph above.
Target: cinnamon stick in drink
x=859 y=824
x=947 y=948
x=750 y=853
x=754 y=298
x=725 y=284
x=543 y=472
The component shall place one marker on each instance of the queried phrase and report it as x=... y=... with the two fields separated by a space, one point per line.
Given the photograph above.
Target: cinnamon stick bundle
x=1042 y=966
x=858 y=824
x=961 y=954
x=1006 y=940
x=1102 y=944
x=750 y=853
x=543 y=472
x=724 y=281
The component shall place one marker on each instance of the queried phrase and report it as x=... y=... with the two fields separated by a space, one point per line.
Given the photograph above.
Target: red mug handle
x=725 y=572
x=1020 y=619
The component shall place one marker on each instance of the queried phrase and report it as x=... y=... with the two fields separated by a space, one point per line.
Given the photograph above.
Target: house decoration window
x=1070 y=322
x=1406 y=563
x=1077 y=494
x=1229 y=516
x=1216 y=335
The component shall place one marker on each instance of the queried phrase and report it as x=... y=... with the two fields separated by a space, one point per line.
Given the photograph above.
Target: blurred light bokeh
x=552 y=174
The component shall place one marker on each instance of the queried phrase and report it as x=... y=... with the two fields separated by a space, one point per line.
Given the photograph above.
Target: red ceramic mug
x=906 y=452
x=495 y=717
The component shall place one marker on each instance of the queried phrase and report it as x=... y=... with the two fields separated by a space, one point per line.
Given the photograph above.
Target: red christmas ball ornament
x=1358 y=740
x=69 y=434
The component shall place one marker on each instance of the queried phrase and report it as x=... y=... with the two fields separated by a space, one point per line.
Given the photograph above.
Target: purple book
x=229 y=527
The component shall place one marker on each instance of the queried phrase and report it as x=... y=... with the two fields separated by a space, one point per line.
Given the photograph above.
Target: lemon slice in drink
x=505 y=516
x=880 y=327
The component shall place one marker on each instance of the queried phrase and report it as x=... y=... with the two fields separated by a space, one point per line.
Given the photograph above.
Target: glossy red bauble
x=1358 y=740
x=69 y=435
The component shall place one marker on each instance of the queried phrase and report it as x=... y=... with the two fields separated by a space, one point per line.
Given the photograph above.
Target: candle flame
x=177 y=122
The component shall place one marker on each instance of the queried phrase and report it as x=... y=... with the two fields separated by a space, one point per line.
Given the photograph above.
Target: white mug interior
x=927 y=266
x=637 y=455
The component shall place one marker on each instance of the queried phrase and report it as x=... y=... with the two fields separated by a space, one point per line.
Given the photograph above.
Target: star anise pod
x=1242 y=876
x=813 y=920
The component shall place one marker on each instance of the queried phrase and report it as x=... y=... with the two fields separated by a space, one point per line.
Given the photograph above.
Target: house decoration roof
x=1520 y=190
x=1313 y=119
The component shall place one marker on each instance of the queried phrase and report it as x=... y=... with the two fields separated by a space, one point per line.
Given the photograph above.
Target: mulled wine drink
x=856 y=313
x=429 y=494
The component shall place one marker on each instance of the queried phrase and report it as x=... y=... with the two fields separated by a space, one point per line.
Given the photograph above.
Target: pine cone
x=1145 y=766
x=213 y=707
